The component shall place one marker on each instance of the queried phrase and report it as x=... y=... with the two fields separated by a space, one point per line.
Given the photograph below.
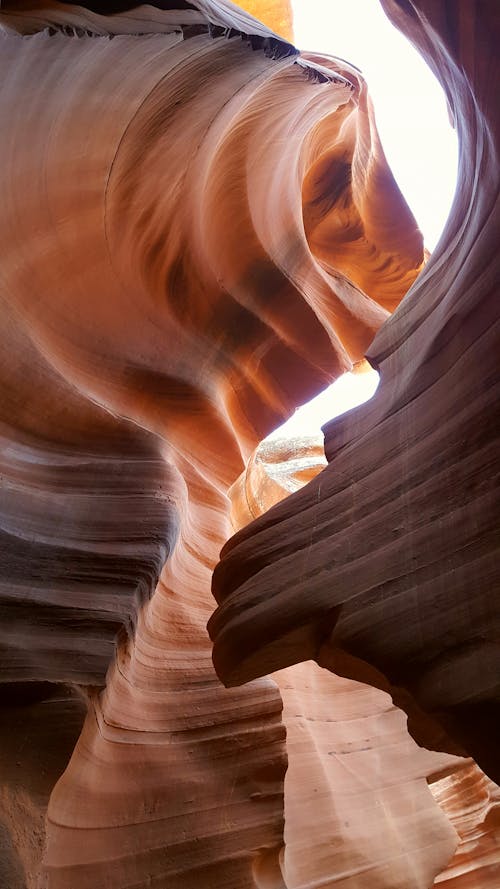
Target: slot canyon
x=227 y=661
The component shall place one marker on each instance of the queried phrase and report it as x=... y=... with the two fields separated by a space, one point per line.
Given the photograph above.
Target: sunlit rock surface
x=199 y=232
x=385 y=568
x=276 y=14
x=352 y=764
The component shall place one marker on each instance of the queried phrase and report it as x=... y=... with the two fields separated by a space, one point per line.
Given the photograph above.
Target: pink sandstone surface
x=199 y=231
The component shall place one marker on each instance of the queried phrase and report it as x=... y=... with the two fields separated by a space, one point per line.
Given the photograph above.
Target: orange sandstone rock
x=384 y=569
x=276 y=14
x=173 y=284
x=351 y=761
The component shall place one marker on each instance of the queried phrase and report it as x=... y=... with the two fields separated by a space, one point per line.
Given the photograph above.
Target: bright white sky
x=420 y=144
x=410 y=107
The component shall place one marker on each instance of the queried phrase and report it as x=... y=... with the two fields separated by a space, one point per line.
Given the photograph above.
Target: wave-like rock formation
x=199 y=231
x=384 y=569
x=352 y=764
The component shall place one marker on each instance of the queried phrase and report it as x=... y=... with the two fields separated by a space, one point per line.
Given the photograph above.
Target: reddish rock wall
x=402 y=563
x=352 y=764
x=384 y=569
x=168 y=186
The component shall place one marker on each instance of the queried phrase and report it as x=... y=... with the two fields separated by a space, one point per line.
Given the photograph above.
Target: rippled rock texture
x=199 y=231
x=385 y=569
x=352 y=764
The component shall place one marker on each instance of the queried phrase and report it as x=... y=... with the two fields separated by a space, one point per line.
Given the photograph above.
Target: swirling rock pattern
x=352 y=763
x=471 y=801
x=173 y=284
x=385 y=568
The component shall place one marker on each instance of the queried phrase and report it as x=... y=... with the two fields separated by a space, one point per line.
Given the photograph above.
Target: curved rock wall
x=173 y=285
x=352 y=764
x=384 y=569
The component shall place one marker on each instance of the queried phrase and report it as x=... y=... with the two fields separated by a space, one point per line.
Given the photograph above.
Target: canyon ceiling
x=199 y=232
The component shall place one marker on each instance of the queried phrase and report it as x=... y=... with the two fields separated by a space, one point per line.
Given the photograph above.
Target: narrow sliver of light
x=350 y=390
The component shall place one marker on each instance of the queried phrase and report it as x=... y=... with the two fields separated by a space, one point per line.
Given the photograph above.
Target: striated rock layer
x=385 y=568
x=199 y=231
x=166 y=181
x=351 y=763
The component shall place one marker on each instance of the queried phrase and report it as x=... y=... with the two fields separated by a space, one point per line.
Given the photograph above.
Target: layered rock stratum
x=199 y=231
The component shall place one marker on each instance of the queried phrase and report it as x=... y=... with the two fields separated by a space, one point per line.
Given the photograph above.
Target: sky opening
x=418 y=139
